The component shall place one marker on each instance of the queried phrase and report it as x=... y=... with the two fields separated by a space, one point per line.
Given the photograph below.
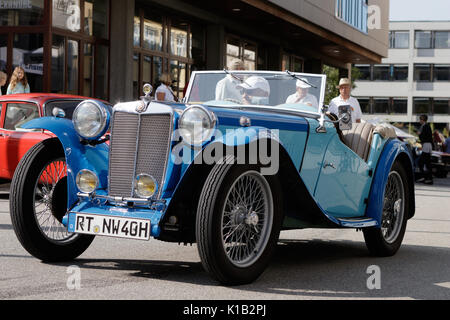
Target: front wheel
x=38 y=202
x=386 y=240
x=238 y=222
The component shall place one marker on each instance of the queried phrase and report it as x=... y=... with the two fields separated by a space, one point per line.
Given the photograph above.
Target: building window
x=96 y=18
x=442 y=39
x=422 y=72
x=423 y=40
x=399 y=106
x=353 y=12
x=67 y=14
x=381 y=72
x=365 y=105
x=381 y=105
x=26 y=13
x=292 y=63
x=28 y=53
x=400 y=72
x=441 y=106
x=422 y=106
x=441 y=72
x=364 y=71
x=165 y=44
x=243 y=50
x=399 y=39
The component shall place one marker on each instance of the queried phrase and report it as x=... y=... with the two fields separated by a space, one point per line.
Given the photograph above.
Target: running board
x=361 y=222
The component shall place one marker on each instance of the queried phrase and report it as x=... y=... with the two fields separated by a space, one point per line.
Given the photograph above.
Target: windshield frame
x=256 y=72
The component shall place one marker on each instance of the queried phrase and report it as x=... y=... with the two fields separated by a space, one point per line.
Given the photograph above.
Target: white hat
x=255 y=83
x=301 y=84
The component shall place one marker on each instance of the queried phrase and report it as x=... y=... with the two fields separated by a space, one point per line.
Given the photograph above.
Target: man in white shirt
x=345 y=99
x=302 y=95
x=226 y=88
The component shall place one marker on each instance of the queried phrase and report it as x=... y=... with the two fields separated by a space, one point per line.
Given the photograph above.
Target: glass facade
x=423 y=39
x=442 y=39
x=28 y=53
x=26 y=13
x=353 y=12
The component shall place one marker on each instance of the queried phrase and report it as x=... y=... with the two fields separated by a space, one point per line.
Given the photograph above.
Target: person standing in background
x=345 y=88
x=3 y=78
x=426 y=138
x=19 y=82
x=164 y=91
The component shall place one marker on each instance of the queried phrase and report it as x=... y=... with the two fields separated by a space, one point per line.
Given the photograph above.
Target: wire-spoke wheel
x=49 y=200
x=386 y=239
x=247 y=219
x=238 y=222
x=38 y=202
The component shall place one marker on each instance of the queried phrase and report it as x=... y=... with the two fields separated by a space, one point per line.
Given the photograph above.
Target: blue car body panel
x=78 y=155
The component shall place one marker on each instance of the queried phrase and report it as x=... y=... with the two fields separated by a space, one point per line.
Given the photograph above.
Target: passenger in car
x=302 y=95
x=256 y=91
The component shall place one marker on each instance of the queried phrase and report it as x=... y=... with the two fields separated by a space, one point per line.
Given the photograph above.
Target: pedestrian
x=19 y=82
x=426 y=139
x=226 y=89
x=3 y=78
x=164 y=92
x=345 y=98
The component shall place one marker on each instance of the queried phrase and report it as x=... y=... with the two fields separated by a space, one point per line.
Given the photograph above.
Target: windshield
x=281 y=89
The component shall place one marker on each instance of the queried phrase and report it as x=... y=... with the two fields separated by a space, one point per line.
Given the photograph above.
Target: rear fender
x=78 y=156
x=394 y=150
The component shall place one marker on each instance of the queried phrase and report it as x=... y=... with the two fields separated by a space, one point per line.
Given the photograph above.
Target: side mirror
x=58 y=113
x=345 y=118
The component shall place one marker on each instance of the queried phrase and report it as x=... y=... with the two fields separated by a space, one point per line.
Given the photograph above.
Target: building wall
x=323 y=14
x=410 y=89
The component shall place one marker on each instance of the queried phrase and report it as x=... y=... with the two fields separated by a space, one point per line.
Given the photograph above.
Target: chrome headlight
x=87 y=181
x=90 y=119
x=197 y=125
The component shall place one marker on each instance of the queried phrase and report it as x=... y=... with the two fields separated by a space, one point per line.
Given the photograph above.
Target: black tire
x=378 y=240
x=213 y=244
x=29 y=190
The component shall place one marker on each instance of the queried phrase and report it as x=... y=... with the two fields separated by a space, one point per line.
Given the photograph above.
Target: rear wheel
x=39 y=202
x=386 y=240
x=238 y=222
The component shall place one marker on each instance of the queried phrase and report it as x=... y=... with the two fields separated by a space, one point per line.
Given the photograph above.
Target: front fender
x=78 y=155
x=394 y=150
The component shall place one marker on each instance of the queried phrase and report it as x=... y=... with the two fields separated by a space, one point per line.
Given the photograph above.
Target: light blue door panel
x=344 y=182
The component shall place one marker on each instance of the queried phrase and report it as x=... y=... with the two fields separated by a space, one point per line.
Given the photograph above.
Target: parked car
x=228 y=174
x=15 y=111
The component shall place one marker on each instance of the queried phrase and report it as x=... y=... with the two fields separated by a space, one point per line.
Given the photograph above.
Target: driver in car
x=302 y=95
x=255 y=90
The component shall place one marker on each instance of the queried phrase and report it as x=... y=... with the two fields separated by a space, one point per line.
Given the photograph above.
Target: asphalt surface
x=308 y=264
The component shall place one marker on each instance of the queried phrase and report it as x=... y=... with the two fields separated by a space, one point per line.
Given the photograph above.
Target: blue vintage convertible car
x=245 y=156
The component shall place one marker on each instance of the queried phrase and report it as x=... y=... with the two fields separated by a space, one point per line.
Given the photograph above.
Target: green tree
x=332 y=90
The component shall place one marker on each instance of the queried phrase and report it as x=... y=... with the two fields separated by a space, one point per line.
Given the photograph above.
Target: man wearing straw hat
x=344 y=98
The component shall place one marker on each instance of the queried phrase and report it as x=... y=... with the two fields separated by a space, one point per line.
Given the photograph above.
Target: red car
x=17 y=109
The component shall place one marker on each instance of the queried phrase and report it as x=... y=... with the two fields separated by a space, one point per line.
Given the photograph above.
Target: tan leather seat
x=359 y=138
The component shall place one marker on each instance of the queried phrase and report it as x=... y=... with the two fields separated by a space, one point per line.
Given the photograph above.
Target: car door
x=344 y=181
x=15 y=141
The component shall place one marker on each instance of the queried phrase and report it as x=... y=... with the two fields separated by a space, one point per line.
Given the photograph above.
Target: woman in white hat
x=302 y=95
x=345 y=87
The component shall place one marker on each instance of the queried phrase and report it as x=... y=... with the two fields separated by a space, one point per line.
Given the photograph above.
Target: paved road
x=309 y=264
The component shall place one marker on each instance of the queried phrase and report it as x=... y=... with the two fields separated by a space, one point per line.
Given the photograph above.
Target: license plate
x=119 y=227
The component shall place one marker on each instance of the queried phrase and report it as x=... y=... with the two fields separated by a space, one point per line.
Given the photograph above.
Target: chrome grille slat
x=148 y=135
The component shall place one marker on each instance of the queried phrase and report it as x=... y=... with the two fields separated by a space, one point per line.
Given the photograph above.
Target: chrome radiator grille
x=139 y=144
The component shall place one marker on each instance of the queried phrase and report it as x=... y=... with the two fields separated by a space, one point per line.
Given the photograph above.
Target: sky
x=401 y=10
